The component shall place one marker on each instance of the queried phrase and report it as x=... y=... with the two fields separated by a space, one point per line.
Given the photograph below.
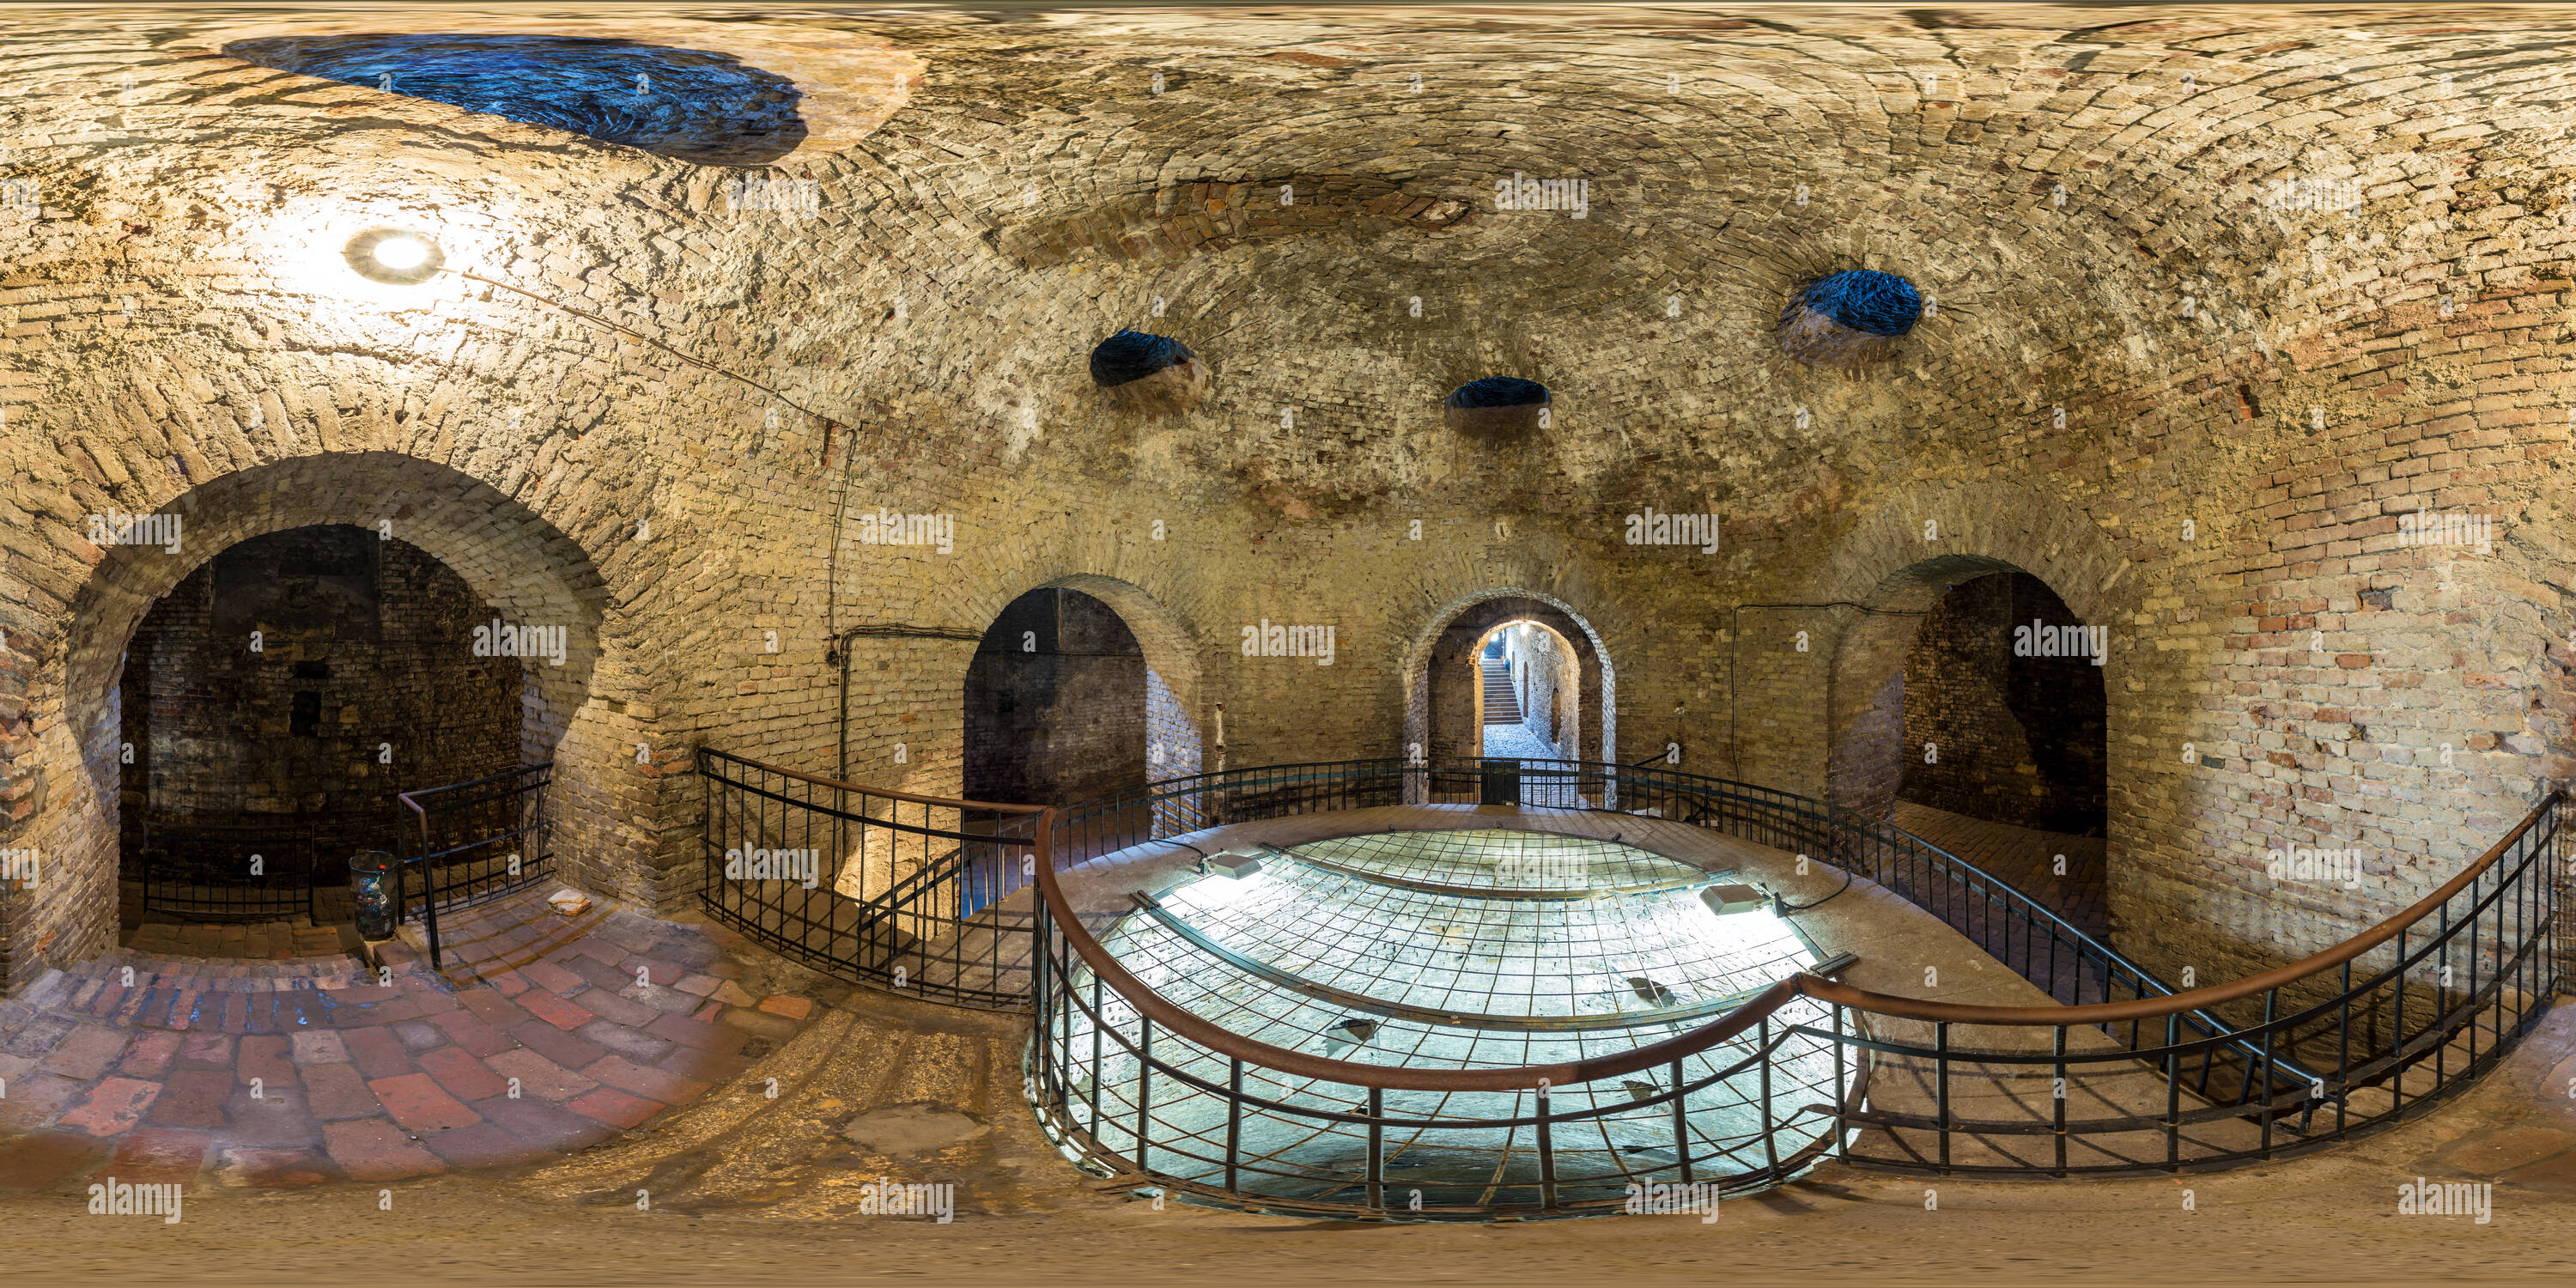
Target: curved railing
x=918 y=894
x=2123 y=1075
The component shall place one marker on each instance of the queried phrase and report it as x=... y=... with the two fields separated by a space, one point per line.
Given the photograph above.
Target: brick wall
x=2014 y=738
x=351 y=697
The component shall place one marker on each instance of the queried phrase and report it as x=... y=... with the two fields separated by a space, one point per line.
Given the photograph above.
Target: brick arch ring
x=513 y=559
x=1540 y=607
x=1888 y=572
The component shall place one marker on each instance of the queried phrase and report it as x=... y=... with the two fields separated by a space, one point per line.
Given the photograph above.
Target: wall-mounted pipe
x=840 y=655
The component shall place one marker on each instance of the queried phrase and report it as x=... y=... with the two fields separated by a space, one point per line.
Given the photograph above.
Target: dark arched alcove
x=1055 y=703
x=2014 y=711
x=279 y=696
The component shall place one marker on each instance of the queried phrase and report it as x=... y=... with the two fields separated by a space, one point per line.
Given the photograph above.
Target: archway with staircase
x=1529 y=697
x=1536 y=646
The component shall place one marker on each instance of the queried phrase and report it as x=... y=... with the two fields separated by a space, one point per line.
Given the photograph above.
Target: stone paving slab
x=296 y=1072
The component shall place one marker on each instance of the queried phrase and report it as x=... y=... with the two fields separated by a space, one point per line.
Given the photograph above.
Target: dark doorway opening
x=272 y=705
x=2004 y=709
x=1055 y=703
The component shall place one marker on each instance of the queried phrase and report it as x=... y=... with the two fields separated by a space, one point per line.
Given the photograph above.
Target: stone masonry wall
x=2194 y=409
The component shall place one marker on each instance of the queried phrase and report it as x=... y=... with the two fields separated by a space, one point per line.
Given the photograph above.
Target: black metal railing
x=468 y=842
x=228 y=872
x=2070 y=965
x=2119 y=1074
x=754 y=806
x=1139 y=1089
x=911 y=893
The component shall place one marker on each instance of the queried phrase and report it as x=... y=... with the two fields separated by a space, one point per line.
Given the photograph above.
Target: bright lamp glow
x=1212 y=893
x=402 y=253
x=394 y=256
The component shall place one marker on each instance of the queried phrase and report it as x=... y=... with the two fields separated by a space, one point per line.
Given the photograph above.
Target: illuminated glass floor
x=1452 y=950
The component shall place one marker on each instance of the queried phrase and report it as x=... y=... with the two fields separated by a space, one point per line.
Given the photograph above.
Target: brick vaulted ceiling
x=2210 y=293
x=2081 y=192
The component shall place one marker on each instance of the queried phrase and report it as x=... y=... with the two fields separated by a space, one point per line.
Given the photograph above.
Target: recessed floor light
x=394 y=256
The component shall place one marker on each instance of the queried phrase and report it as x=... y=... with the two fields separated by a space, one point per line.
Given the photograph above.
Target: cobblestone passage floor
x=1516 y=740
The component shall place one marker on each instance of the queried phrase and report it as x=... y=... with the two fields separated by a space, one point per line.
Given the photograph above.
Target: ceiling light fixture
x=394 y=256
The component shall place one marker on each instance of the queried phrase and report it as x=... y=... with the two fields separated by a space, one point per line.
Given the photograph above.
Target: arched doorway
x=511 y=559
x=1056 y=703
x=1969 y=707
x=272 y=704
x=2002 y=685
x=1560 y=661
x=1528 y=685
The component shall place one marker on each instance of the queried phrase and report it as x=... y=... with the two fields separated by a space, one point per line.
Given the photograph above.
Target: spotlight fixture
x=1230 y=864
x=394 y=256
x=1726 y=899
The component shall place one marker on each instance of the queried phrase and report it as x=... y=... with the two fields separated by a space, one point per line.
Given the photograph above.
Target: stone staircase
x=326 y=928
x=252 y=941
x=1502 y=702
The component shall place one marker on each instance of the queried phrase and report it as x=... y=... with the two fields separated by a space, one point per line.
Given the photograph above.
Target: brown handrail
x=2200 y=998
x=1152 y=1005
x=1762 y=1005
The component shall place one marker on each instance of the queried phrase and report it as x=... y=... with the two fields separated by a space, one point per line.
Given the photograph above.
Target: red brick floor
x=295 y=1072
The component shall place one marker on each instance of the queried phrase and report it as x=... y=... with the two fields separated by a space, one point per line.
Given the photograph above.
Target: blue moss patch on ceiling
x=688 y=104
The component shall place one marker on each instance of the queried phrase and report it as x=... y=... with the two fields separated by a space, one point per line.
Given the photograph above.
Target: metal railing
x=911 y=893
x=1915 y=1085
x=2069 y=964
x=228 y=872
x=2119 y=1074
x=858 y=929
x=465 y=843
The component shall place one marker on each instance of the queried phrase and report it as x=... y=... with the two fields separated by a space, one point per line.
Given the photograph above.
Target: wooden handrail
x=1153 y=1006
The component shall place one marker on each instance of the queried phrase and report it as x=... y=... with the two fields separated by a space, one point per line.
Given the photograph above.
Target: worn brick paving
x=282 y=1073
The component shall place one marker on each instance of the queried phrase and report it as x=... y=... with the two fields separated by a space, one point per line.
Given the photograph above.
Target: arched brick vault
x=513 y=559
x=918 y=310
